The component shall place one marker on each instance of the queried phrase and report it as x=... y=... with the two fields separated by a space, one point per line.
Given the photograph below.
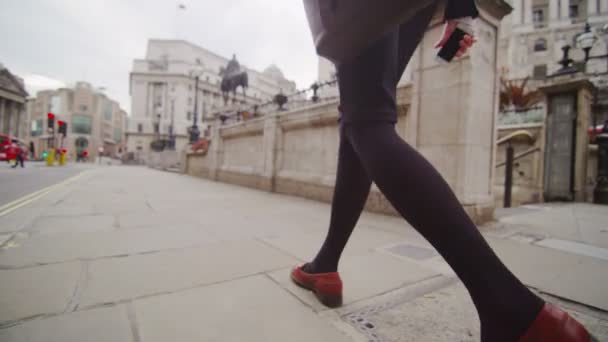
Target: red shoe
x=555 y=325
x=326 y=286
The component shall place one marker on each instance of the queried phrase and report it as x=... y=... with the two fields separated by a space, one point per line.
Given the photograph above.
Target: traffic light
x=44 y=154
x=50 y=120
x=63 y=127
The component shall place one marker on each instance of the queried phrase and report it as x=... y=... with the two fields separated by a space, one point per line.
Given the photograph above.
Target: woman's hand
x=466 y=42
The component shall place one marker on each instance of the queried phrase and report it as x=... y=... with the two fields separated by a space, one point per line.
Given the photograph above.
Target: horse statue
x=232 y=78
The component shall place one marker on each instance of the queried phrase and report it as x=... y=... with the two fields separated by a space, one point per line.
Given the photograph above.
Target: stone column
x=456 y=109
x=8 y=117
x=528 y=20
x=2 y=103
x=18 y=120
x=592 y=8
x=272 y=133
x=603 y=6
x=553 y=11
x=565 y=10
x=516 y=15
x=215 y=150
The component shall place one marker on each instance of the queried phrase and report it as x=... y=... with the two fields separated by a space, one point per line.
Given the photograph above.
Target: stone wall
x=448 y=113
x=527 y=171
x=165 y=160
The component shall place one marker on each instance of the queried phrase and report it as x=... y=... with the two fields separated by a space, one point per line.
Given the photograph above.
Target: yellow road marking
x=25 y=200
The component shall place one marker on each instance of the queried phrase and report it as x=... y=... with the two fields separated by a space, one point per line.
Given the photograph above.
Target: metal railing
x=299 y=100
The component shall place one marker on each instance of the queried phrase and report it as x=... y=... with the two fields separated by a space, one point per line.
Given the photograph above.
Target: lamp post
x=172 y=126
x=195 y=132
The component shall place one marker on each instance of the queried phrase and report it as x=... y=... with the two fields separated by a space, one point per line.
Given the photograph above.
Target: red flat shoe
x=326 y=286
x=555 y=325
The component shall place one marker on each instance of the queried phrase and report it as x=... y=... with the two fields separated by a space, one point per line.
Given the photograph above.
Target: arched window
x=540 y=44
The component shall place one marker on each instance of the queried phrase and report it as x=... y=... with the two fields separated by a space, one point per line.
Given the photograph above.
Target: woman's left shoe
x=326 y=286
x=555 y=325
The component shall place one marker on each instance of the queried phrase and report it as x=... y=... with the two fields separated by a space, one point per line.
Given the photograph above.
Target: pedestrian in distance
x=370 y=150
x=19 y=155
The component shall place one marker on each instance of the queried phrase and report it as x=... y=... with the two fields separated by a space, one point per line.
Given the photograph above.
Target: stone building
x=162 y=88
x=13 y=96
x=94 y=120
x=533 y=35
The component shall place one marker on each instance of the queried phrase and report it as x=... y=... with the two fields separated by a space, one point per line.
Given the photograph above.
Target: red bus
x=8 y=150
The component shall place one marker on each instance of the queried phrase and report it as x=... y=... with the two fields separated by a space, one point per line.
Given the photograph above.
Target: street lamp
x=195 y=132
x=587 y=39
x=171 y=126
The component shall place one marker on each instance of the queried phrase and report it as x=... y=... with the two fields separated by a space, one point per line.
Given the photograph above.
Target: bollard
x=50 y=158
x=508 y=177
x=62 y=158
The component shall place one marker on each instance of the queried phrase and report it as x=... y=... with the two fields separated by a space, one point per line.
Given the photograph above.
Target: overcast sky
x=51 y=43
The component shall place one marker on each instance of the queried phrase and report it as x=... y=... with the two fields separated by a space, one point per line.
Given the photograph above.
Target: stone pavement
x=129 y=254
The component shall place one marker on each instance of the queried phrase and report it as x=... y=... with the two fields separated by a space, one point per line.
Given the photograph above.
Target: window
x=156 y=127
x=574 y=11
x=189 y=116
x=189 y=101
x=538 y=17
x=37 y=128
x=540 y=45
x=83 y=108
x=140 y=128
x=81 y=124
x=107 y=111
x=207 y=79
x=540 y=71
x=189 y=87
x=117 y=135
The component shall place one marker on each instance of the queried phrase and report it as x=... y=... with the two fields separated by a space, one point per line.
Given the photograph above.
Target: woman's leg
x=506 y=307
x=350 y=193
x=371 y=79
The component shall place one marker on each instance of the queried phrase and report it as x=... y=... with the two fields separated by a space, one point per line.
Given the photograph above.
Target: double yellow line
x=25 y=200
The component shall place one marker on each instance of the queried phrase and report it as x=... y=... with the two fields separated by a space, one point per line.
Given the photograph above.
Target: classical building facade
x=162 y=88
x=13 y=120
x=533 y=35
x=94 y=120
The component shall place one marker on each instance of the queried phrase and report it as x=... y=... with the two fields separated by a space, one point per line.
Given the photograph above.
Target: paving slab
x=364 y=276
x=90 y=245
x=171 y=271
x=45 y=225
x=576 y=222
x=575 y=247
x=37 y=290
x=305 y=245
x=448 y=315
x=563 y=274
x=248 y=309
x=99 y=325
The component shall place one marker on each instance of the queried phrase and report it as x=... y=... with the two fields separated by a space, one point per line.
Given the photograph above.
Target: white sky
x=51 y=43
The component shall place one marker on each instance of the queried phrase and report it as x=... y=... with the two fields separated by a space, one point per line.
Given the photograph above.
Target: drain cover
x=410 y=251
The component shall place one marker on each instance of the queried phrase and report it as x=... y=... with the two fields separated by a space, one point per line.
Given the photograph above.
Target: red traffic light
x=60 y=123
x=64 y=151
x=85 y=153
x=50 y=115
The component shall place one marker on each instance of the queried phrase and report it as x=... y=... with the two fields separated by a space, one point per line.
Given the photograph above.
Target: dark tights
x=372 y=151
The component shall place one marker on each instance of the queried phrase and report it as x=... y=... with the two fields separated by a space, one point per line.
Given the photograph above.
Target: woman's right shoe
x=555 y=325
x=326 y=286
